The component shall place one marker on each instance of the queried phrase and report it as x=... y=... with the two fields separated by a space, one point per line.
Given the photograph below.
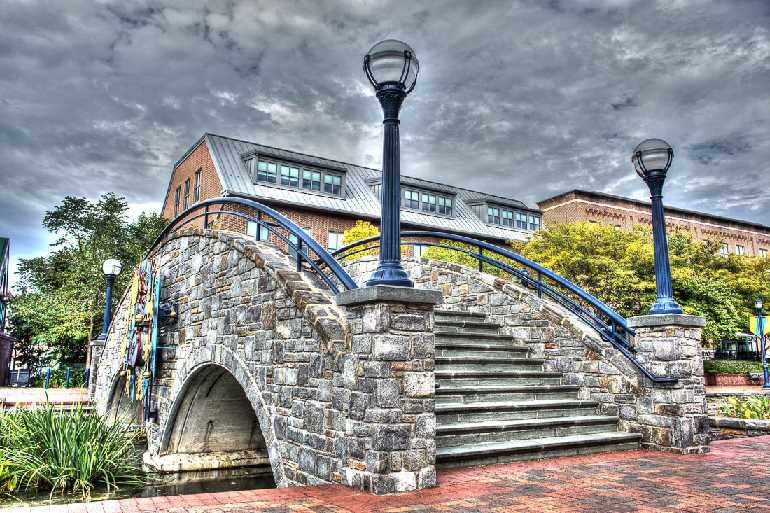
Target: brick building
x=737 y=237
x=326 y=197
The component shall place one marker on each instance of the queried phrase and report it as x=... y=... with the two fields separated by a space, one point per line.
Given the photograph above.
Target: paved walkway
x=732 y=478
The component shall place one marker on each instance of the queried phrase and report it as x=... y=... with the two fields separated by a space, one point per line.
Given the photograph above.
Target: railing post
x=481 y=262
x=47 y=377
x=206 y=219
x=67 y=378
x=259 y=226
x=539 y=285
x=299 y=255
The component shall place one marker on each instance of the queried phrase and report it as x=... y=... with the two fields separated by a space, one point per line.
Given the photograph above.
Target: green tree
x=617 y=267
x=59 y=300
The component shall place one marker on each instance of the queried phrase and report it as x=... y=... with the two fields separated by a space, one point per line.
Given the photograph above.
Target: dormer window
x=311 y=180
x=426 y=201
x=267 y=171
x=292 y=174
x=333 y=184
x=508 y=217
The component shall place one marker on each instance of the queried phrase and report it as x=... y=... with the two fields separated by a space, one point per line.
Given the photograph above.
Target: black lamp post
x=111 y=269
x=651 y=159
x=391 y=66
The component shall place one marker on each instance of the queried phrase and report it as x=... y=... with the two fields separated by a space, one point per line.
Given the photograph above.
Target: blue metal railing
x=610 y=325
x=308 y=254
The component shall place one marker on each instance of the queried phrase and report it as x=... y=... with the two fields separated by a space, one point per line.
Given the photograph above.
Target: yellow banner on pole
x=753 y=325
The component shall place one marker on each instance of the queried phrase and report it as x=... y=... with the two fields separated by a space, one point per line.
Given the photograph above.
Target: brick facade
x=625 y=213
x=197 y=159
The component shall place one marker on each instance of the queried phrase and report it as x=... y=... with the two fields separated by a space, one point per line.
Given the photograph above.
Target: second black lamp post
x=651 y=159
x=391 y=66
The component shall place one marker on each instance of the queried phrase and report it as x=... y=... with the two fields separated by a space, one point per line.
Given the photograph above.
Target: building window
x=428 y=202
x=534 y=223
x=311 y=180
x=507 y=218
x=419 y=250
x=740 y=250
x=266 y=171
x=521 y=220
x=493 y=215
x=411 y=199
x=293 y=239
x=197 y=188
x=333 y=184
x=186 y=193
x=444 y=205
x=334 y=240
x=251 y=231
x=177 y=198
x=762 y=253
x=290 y=176
x=724 y=250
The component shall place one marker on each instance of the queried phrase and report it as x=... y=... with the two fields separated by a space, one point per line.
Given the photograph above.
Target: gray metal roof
x=358 y=200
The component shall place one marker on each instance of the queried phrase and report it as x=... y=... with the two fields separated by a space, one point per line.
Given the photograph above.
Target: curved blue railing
x=610 y=325
x=308 y=254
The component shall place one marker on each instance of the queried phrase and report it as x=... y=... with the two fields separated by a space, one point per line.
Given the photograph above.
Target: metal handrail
x=282 y=227
x=610 y=325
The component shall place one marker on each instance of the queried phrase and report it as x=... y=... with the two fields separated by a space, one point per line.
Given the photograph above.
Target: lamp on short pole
x=760 y=331
x=111 y=268
x=391 y=66
x=651 y=159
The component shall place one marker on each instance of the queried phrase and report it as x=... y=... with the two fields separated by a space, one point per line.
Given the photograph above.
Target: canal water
x=183 y=483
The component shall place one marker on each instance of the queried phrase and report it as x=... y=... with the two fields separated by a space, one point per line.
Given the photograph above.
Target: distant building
x=326 y=197
x=738 y=237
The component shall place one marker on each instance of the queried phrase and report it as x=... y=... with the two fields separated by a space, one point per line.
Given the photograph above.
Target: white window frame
x=335 y=236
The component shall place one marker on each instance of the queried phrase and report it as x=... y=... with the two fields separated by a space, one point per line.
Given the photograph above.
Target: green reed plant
x=65 y=452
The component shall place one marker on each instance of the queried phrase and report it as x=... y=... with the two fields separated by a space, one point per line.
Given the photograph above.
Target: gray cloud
x=525 y=98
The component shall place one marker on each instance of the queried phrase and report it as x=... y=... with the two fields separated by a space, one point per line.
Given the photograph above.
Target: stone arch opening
x=213 y=426
x=120 y=408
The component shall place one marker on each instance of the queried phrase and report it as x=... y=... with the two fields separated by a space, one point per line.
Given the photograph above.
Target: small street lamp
x=391 y=66
x=762 y=340
x=111 y=268
x=651 y=159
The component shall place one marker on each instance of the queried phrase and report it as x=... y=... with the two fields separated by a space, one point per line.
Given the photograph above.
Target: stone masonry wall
x=671 y=418
x=339 y=392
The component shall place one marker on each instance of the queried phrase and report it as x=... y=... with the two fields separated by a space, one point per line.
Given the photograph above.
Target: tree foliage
x=59 y=300
x=361 y=230
x=617 y=267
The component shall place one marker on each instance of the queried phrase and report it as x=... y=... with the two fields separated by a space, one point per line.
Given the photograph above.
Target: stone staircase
x=496 y=404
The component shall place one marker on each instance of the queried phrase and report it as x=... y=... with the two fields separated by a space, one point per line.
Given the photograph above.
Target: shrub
x=731 y=366
x=63 y=452
x=754 y=407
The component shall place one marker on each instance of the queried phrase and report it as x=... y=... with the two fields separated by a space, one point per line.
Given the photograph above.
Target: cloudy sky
x=525 y=98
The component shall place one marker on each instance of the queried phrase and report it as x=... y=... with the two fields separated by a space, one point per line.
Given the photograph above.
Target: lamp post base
x=665 y=305
x=390 y=273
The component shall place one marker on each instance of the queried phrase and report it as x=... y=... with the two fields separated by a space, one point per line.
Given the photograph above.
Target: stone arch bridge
x=376 y=387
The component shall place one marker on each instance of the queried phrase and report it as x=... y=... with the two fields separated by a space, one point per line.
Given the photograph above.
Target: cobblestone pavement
x=732 y=478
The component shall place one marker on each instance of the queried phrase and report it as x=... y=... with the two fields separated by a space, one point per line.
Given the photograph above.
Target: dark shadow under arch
x=120 y=408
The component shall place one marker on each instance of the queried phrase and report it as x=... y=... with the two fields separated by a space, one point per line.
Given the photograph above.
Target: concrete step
x=487 y=363
x=538 y=448
x=476 y=336
x=449 y=413
x=459 y=350
x=471 y=433
x=460 y=394
x=449 y=315
x=506 y=378
x=463 y=326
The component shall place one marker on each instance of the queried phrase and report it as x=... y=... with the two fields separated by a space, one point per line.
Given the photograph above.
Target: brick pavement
x=731 y=479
